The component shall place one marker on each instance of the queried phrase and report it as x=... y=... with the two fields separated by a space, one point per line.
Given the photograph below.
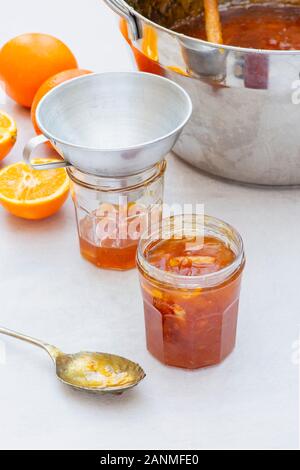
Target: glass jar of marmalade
x=190 y=273
x=112 y=213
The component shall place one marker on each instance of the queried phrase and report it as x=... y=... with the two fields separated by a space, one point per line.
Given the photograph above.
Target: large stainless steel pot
x=246 y=101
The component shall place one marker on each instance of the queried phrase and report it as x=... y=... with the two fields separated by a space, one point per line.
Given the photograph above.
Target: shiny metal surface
x=30 y=148
x=112 y=124
x=246 y=109
x=71 y=367
x=122 y=10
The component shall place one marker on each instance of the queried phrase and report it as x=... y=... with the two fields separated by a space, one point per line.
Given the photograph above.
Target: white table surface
x=48 y=290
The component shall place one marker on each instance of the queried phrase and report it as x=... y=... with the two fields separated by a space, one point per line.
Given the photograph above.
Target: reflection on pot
x=244 y=124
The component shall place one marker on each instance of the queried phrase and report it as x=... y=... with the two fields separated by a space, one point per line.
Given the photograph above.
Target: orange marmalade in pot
x=258 y=26
x=190 y=273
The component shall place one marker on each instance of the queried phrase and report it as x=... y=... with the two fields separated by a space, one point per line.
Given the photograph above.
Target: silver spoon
x=89 y=371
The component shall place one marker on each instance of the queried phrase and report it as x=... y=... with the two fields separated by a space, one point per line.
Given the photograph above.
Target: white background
x=47 y=290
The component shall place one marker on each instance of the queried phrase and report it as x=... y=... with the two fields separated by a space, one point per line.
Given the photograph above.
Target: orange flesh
x=33 y=194
x=8 y=134
x=21 y=183
x=253 y=26
x=193 y=327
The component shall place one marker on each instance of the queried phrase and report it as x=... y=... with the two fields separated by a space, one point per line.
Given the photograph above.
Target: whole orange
x=52 y=82
x=28 y=60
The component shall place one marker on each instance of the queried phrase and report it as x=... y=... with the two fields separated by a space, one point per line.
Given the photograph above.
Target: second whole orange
x=28 y=60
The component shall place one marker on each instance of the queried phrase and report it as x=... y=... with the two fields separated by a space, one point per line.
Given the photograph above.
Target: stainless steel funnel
x=111 y=124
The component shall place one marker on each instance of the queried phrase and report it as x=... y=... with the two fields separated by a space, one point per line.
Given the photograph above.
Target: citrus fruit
x=8 y=134
x=33 y=194
x=28 y=60
x=52 y=82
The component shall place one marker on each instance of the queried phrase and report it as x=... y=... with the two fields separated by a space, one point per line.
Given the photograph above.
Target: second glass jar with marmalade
x=190 y=284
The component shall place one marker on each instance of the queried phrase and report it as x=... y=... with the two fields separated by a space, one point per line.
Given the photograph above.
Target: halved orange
x=8 y=134
x=33 y=194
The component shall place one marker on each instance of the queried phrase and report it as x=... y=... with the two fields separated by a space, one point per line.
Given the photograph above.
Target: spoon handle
x=51 y=350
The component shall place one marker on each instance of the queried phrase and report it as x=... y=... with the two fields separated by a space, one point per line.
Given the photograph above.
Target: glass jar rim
x=191 y=282
x=112 y=184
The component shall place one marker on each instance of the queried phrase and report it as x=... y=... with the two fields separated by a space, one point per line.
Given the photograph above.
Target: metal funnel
x=111 y=124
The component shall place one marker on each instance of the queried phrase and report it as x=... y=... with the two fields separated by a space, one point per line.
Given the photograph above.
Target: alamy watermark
x=127 y=220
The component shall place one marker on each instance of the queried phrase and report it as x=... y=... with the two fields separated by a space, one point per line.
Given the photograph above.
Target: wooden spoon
x=213 y=24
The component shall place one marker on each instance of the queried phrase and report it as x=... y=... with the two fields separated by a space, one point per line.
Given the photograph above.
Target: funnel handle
x=122 y=9
x=30 y=148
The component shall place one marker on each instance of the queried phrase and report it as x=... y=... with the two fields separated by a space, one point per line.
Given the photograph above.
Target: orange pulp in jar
x=193 y=326
x=112 y=213
x=105 y=239
x=108 y=255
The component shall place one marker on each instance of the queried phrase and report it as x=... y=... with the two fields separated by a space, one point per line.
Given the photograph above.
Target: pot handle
x=121 y=8
x=30 y=148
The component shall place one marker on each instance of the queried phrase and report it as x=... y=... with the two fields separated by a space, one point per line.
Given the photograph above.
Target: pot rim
x=191 y=40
